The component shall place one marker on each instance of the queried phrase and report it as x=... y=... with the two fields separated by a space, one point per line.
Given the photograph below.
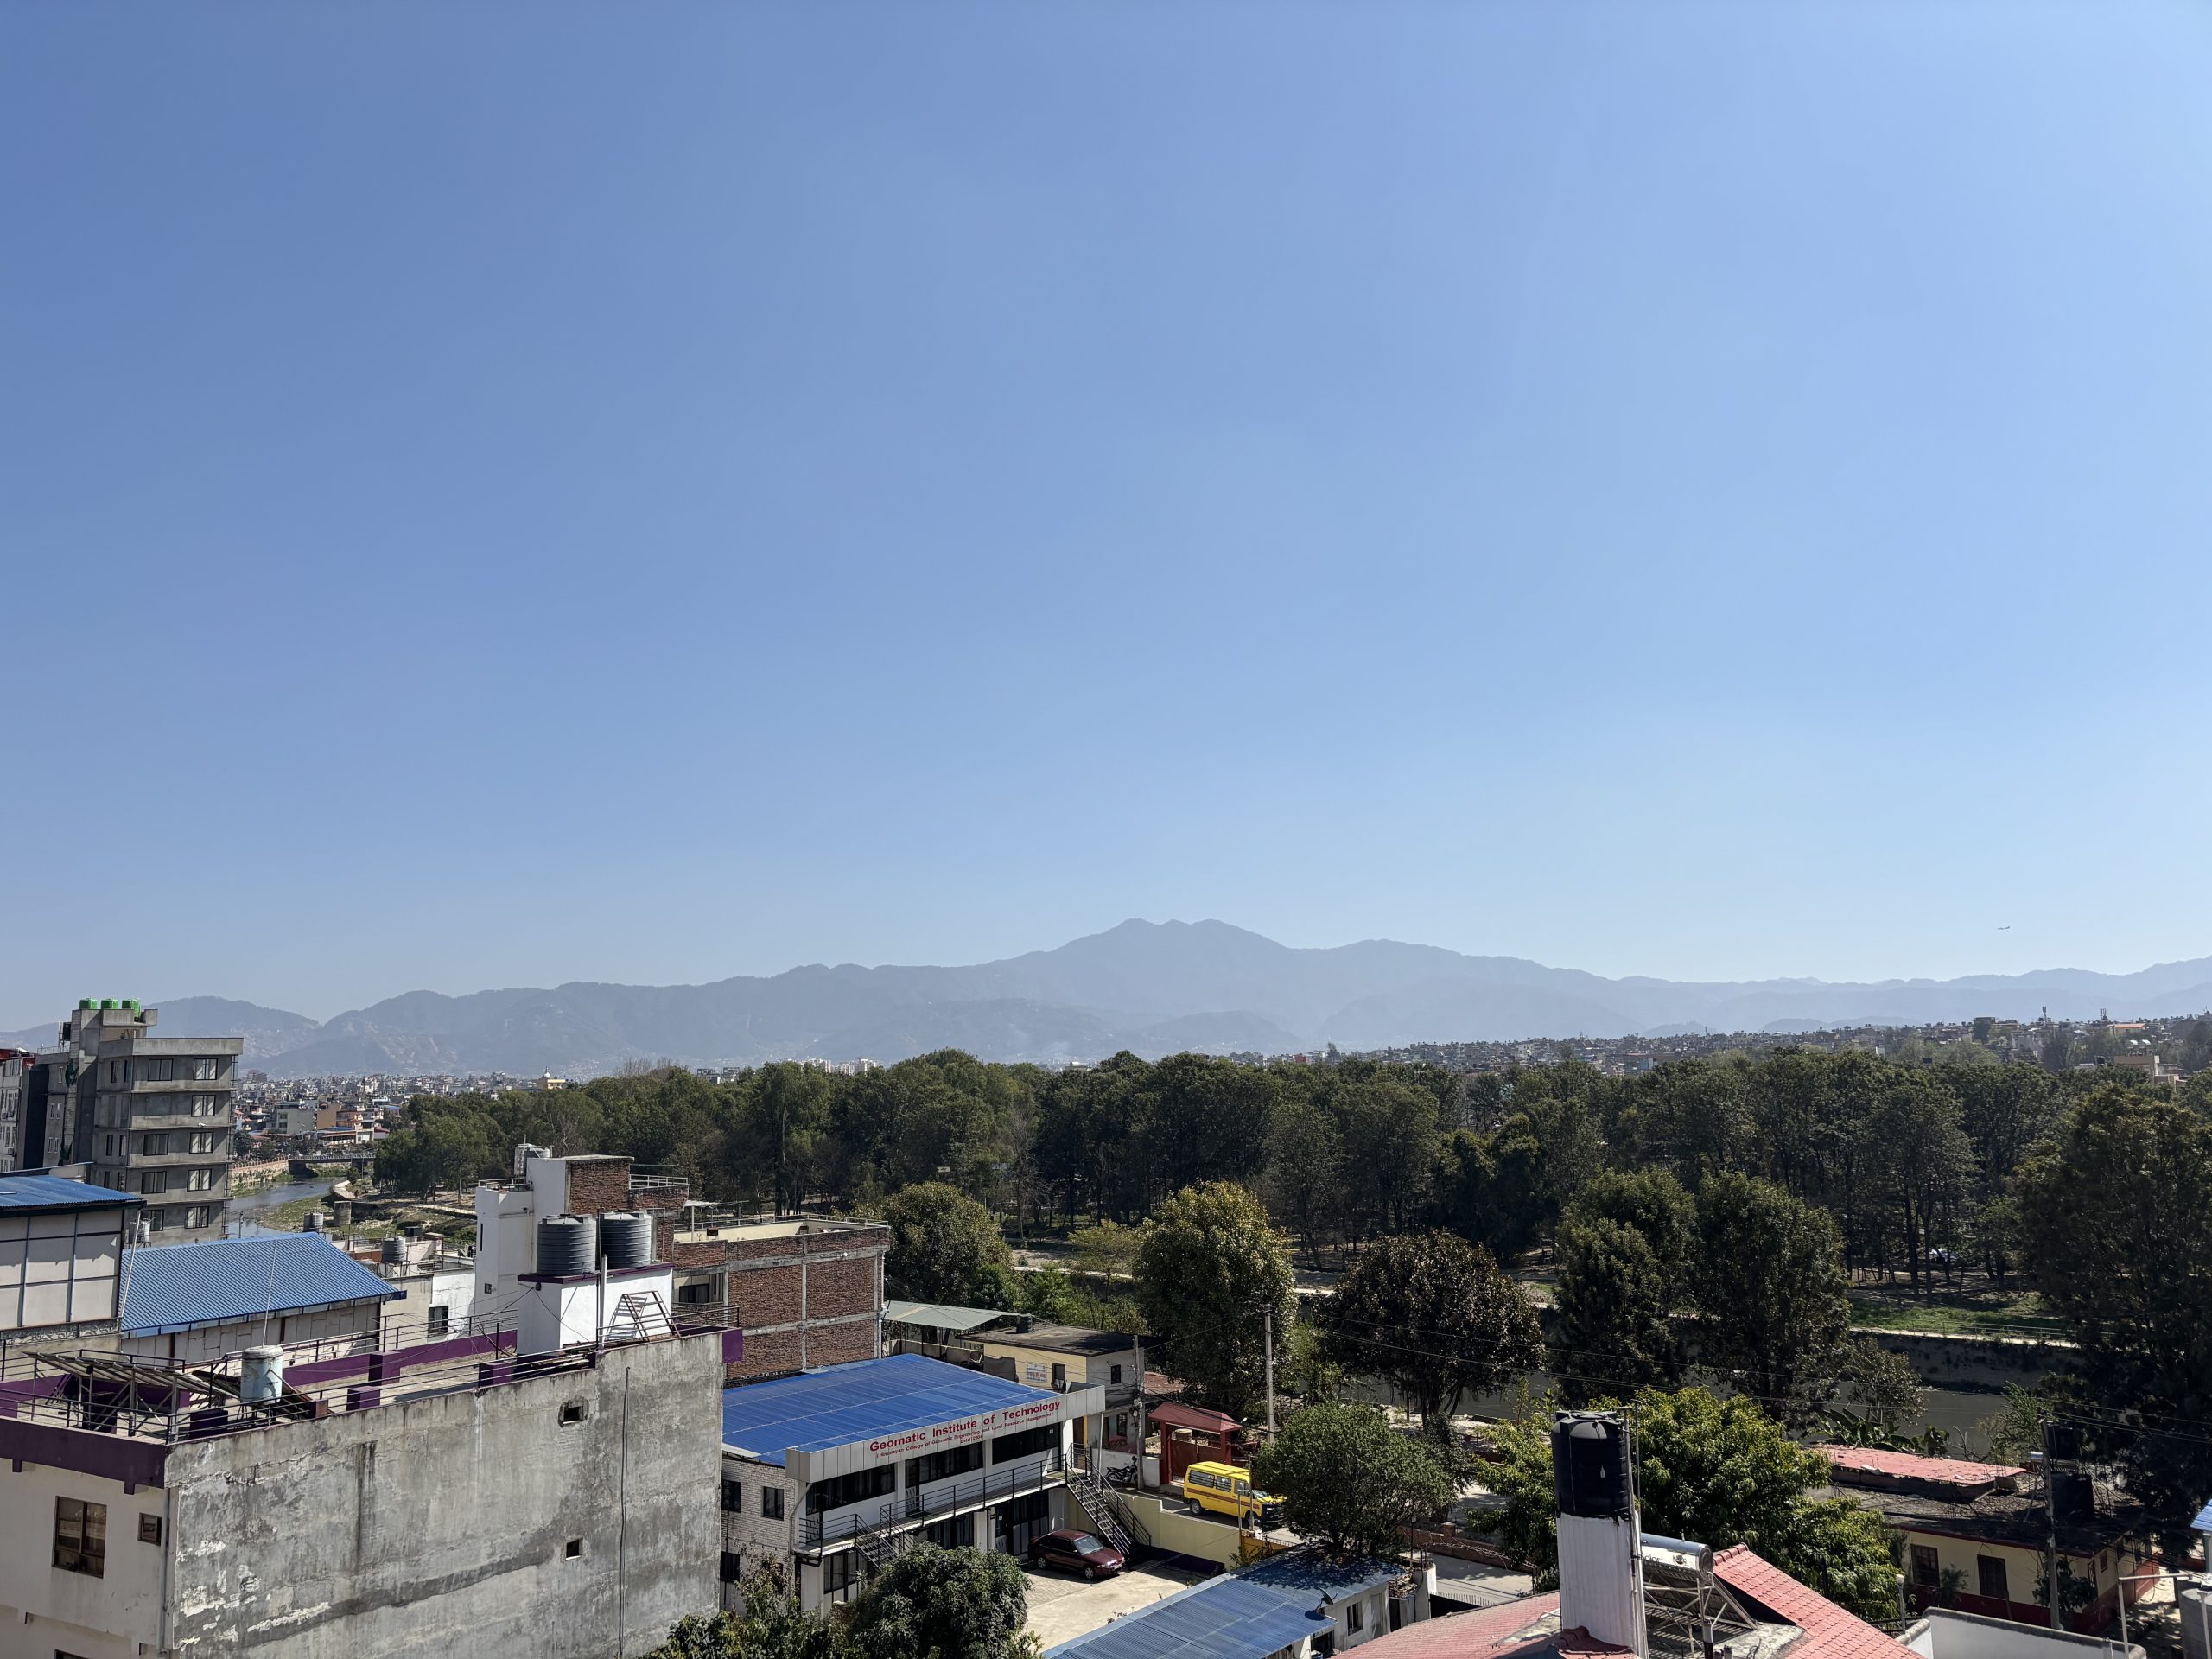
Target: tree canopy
x=1349 y=1479
x=945 y=1247
x=1211 y=1266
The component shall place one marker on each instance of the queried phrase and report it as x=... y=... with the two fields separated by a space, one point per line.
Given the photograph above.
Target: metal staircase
x=1099 y=1504
x=640 y=1315
x=881 y=1544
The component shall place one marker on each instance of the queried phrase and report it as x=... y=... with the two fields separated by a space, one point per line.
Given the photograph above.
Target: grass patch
x=1957 y=1316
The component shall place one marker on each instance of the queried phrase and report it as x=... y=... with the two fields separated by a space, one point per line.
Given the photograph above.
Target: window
x=574 y=1548
x=942 y=1466
x=156 y=1071
x=202 y=1140
x=1925 y=1569
x=110 y=1147
x=1355 y=1618
x=80 y=1536
x=733 y=1496
x=1027 y=1444
x=855 y=1488
x=157 y=1219
x=1115 y=1375
x=1991 y=1570
x=1060 y=1377
x=695 y=1295
x=204 y=1069
x=839 y=1573
x=155 y=1146
x=153 y=1180
x=150 y=1529
x=958 y=1533
x=198 y=1215
x=199 y=1180
x=772 y=1503
x=439 y=1322
x=733 y=1566
x=572 y=1411
x=203 y=1105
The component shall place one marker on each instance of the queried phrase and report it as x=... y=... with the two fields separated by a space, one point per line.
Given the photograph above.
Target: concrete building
x=150 y=1116
x=807 y=1288
x=15 y=1071
x=1042 y=1353
x=450 y=1500
x=832 y=1472
x=61 y=1247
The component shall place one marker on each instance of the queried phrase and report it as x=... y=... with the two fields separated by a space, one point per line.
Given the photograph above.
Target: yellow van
x=1226 y=1490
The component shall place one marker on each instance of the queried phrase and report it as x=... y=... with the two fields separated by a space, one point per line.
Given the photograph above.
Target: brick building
x=809 y=1289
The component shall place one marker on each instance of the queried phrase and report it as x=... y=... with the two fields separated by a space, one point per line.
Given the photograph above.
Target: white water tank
x=261 y=1375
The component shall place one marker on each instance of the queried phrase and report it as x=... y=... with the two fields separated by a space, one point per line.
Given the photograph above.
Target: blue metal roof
x=1255 y=1612
x=1222 y=1618
x=2204 y=1522
x=57 y=1192
x=185 y=1287
x=841 y=1404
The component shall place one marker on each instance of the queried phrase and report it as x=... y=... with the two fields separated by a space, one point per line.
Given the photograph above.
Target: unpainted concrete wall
x=440 y=1525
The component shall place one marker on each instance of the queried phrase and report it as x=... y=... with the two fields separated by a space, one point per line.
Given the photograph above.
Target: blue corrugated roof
x=2204 y=1522
x=182 y=1286
x=836 y=1406
x=1258 y=1611
x=56 y=1192
x=1222 y=1618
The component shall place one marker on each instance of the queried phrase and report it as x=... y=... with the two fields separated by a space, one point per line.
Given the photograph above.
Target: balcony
x=915 y=1506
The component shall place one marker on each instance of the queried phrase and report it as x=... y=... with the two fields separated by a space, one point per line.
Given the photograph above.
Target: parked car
x=1077 y=1552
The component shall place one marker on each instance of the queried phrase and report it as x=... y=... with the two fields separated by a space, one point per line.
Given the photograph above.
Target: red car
x=1078 y=1551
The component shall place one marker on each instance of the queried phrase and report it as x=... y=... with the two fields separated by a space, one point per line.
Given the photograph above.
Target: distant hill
x=1154 y=988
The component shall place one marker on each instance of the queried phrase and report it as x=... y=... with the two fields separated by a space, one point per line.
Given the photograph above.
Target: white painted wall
x=59 y=1269
x=105 y=1618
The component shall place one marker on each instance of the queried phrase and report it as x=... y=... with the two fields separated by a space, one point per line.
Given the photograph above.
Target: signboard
x=962 y=1430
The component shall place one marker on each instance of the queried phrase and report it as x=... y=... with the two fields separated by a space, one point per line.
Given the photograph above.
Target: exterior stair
x=1099 y=1504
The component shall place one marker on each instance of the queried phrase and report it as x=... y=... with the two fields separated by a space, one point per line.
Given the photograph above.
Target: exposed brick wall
x=833 y=1344
x=767 y=1354
x=766 y=1296
x=598 y=1184
x=840 y=1287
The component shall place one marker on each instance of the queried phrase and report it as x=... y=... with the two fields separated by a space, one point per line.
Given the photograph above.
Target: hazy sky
x=498 y=494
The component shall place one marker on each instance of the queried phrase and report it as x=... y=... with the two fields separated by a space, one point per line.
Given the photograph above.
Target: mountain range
x=1153 y=987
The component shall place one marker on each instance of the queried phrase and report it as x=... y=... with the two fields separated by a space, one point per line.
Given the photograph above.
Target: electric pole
x=1267 y=1329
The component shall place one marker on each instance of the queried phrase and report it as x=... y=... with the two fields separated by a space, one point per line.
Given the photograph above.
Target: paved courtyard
x=1061 y=1606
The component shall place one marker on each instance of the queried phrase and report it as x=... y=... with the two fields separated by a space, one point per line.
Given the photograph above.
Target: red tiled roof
x=1831 y=1631
x=1527 y=1629
x=1906 y=1465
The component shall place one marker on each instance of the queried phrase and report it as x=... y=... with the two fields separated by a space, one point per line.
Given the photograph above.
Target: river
x=244 y=1211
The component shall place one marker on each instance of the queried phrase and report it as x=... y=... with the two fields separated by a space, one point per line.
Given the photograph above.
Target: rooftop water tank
x=261 y=1374
x=313 y=1223
x=394 y=1251
x=567 y=1245
x=626 y=1237
x=1590 y=1465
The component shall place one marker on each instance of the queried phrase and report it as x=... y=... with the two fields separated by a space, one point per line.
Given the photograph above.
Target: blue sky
x=499 y=495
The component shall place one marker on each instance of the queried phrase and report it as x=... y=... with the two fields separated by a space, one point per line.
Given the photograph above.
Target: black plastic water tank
x=627 y=1238
x=567 y=1245
x=2072 y=1495
x=1590 y=1465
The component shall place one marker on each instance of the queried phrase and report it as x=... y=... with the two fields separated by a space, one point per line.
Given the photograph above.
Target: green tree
x=785 y=1112
x=1884 y=1397
x=945 y=1247
x=1770 y=1292
x=1437 y=1318
x=1720 y=1471
x=1347 y=1478
x=1653 y=1203
x=771 y=1626
x=1387 y=1137
x=1305 y=1175
x=1108 y=1249
x=944 y=1603
x=2117 y=1216
x=1211 y=1264
x=1614 y=1329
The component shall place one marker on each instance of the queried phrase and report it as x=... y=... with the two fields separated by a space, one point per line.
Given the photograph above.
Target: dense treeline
x=1913 y=1160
